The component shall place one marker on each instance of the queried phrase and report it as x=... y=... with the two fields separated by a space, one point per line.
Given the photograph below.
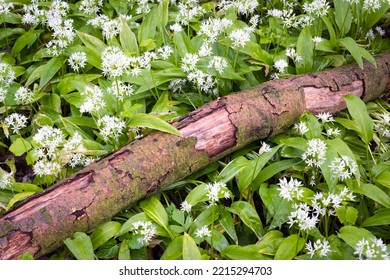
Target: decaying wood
x=112 y=184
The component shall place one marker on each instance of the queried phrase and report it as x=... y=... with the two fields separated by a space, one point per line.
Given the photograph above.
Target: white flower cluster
x=281 y=65
x=327 y=203
x=244 y=7
x=325 y=117
x=146 y=230
x=73 y=152
x=120 y=89
x=239 y=37
x=114 y=62
x=218 y=63
x=213 y=27
x=93 y=99
x=320 y=248
x=265 y=148
x=301 y=128
x=382 y=124
x=5 y=7
x=314 y=156
x=292 y=53
x=185 y=207
x=290 y=189
x=303 y=216
x=215 y=190
x=290 y=19
x=111 y=127
x=90 y=6
x=317 y=8
x=189 y=10
x=24 y=95
x=77 y=60
x=343 y=167
x=5 y=179
x=373 y=249
x=203 y=232
x=7 y=76
x=16 y=122
x=110 y=27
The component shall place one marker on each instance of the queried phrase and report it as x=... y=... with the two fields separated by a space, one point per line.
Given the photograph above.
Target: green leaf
x=217 y=240
x=91 y=42
x=174 y=251
x=232 y=169
x=352 y=235
x=190 y=250
x=20 y=146
x=273 y=169
x=248 y=215
x=227 y=222
x=358 y=111
x=332 y=33
x=50 y=69
x=305 y=49
x=182 y=43
x=25 y=187
x=147 y=29
x=103 y=233
x=66 y=83
x=373 y=192
x=127 y=38
x=206 y=218
x=353 y=48
x=124 y=251
x=27 y=38
x=150 y=121
x=289 y=247
x=380 y=218
x=270 y=242
x=235 y=252
x=347 y=215
x=80 y=246
x=343 y=16
x=18 y=197
x=155 y=211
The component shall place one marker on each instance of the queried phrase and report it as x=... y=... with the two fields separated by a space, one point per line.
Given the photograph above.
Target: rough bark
x=114 y=183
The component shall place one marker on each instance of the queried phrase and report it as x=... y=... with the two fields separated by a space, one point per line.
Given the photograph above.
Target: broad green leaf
x=367 y=56
x=235 y=252
x=358 y=110
x=232 y=169
x=91 y=42
x=352 y=235
x=27 y=39
x=174 y=251
x=227 y=222
x=248 y=215
x=373 y=17
x=103 y=233
x=182 y=43
x=20 y=146
x=18 y=197
x=380 y=218
x=147 y=29
x=347 y=215
x=80 y=246
x=51 y=68
x=190 y=250
x=51 y=102
x=124 y=251
x=206 y=218
x=273 y=169
x=155 y=211
x=66 y=83
x=353 y=48
x=197 y=194
x=343 y=16
x=25 y=187
x=150 y=121
x=331 y=31
x=269 y=244
x=373 y=192
x=127 y=38
x=305 y=49
x=289 y=247
x=383 y=179
x=279 y=208
x=255 y=51
x=217 y=240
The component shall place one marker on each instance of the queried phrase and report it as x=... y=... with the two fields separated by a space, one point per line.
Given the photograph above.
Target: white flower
x=205 y=50
x=374 y=249
x=333 y=132
x=203 y=232
x=114 y=62
x=315 y=153
x=111 y=127
x=49 y=139
x=189 y=11
x=7 y=74
x=202 y=80
x=185 y=207
x=16 y=122
x=265 y=148
x=380 y=31
x=317 y=8
x=93 y=99
x=214 y=190
x=328 y=203
x=45 y=167
x=317 y=40
x=301 y=127
x=5 y=7
x=281 y=65
x=372 y=5
x=213 y=27
x=325 y=117
x=24 y=96
x=90 y=6
x=218 y=63
x=239 y=37
x=290 y=190
x=292 y=53
x=77 y=60
x=176 y=27
x=72 y=151
x=120 y=90
x=165 y=51
x=189 y=62
x=5 y=179
x=321 y=248
x=305 y=218
x=343 y=167
x=146 y=230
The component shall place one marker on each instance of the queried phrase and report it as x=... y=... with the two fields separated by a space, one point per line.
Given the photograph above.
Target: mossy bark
x=114 y=183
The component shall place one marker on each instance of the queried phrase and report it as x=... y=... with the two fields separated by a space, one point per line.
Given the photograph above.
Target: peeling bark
x=103 y=189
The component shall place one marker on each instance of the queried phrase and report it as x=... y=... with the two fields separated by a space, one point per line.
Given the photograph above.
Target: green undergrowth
x=80 y=79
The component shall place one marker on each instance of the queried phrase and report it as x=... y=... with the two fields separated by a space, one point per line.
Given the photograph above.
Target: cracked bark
x=114 y=183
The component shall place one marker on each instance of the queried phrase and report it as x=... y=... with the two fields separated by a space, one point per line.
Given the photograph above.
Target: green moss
x=5 y=228
x=46 y=216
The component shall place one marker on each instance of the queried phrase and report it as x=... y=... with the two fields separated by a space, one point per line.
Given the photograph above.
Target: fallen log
x=112 y=184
